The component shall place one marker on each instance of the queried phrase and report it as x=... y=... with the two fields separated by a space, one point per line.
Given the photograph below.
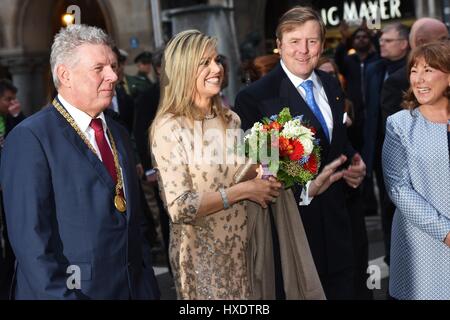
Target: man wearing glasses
x=394 y=47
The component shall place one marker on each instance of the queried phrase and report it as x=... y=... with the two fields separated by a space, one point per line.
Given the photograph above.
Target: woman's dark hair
x=257 y=68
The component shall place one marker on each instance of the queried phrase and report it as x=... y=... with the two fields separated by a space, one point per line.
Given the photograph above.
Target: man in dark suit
x=140 y=82
x=394 y=48
x=295 y=84
x=70 y=186
x=10 y=116
x=122 y=103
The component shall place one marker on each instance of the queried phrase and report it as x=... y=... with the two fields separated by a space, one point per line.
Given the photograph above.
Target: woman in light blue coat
x=417 y=175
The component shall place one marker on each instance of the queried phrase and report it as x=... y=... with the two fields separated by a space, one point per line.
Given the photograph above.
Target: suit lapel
x=72 y=136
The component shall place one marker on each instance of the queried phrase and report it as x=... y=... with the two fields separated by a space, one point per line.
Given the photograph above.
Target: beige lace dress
x=207 y=254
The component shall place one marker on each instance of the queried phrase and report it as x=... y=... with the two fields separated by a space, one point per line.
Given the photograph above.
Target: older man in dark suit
x=70 y=186
x=295 y=84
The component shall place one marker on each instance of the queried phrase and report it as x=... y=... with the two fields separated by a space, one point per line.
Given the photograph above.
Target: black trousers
x=360 y=243
x=339 y=285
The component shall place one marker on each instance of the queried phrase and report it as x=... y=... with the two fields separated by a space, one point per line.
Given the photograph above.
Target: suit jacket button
x=337 y=98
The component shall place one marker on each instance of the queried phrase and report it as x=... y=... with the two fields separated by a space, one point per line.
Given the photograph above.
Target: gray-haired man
x=70 y=186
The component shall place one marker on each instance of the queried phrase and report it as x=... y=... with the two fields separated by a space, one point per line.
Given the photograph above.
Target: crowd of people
x=117 y=165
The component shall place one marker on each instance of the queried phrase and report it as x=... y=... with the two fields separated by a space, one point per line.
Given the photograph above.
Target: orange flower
x=284 y=145
x=276 y=126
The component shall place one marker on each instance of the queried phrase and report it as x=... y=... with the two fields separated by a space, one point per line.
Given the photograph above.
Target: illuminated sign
x=374 y=12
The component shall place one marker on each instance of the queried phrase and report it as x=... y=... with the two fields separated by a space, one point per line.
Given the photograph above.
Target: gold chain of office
x=119 y=201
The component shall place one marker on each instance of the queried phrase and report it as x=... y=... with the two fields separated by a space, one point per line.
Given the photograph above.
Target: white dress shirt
x=322 y=101
x=83 y=121
x=319 y=95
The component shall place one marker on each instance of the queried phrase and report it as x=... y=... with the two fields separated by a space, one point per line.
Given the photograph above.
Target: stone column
x=28 y=75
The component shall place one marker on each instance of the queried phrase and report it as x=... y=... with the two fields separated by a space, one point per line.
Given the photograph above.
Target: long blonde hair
x=179 y=68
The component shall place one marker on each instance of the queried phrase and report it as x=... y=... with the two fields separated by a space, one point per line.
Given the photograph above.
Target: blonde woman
x=208 y=220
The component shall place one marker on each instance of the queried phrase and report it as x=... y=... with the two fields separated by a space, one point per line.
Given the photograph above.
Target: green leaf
x=266 y=120
x=284 y=116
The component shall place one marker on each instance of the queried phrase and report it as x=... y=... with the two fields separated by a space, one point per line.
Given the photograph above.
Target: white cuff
x=305 y=199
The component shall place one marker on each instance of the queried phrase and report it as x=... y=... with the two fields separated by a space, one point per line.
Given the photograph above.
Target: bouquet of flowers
x=285 y=146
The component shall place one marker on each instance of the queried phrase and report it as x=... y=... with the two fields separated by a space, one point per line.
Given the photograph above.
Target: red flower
x=311 y=165
x=297 y=152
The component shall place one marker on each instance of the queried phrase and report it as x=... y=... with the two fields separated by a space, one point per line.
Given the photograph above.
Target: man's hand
x=14 y=108
x=356 y=172
x=327 y=177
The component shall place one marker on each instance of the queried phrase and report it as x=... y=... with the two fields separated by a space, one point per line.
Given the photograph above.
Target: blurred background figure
x=329 y=66
x=140 y=82
x=258 y=67
x=146 y=107
x=10 y=116
x=416 y=170
x=354 y=52
x=394 y=48
x=122 y=103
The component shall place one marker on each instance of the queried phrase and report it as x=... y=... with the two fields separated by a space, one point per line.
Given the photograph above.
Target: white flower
x=257 y=127
x=291 y=129
x=307 y=143
x=294 y=130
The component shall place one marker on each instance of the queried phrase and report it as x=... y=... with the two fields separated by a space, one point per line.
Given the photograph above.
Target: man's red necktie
x=105 y=150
